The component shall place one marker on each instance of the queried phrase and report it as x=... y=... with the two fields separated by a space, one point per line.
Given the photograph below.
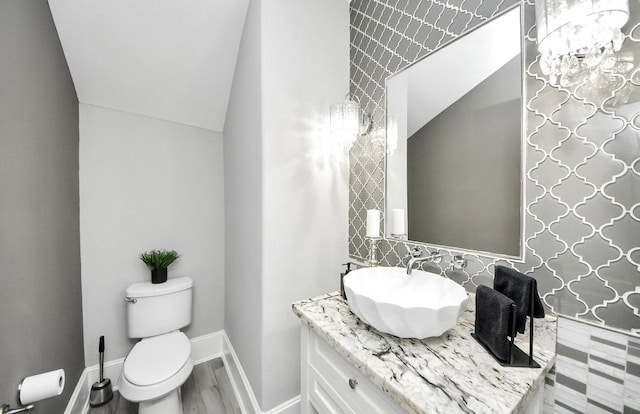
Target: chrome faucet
x=415 y=257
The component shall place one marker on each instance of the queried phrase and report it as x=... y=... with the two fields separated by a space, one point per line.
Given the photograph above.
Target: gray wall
x=305 y=69
x=463 y=192
x=120 y=212
x=243 y=204
x=40 y=297
x=285 y=197
x=581 y=164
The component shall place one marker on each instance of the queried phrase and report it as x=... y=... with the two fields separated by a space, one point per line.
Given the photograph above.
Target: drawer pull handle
x=353 y=383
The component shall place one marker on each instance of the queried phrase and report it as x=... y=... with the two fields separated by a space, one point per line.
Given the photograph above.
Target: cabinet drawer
x=336 y=371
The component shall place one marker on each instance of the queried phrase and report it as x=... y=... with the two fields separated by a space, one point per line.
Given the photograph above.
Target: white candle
x=373 y=223
x=397 y=222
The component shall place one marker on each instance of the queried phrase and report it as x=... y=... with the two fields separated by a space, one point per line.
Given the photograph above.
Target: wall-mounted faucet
x=415 y=257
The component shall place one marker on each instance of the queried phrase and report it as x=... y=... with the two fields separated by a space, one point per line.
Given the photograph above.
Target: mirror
x=454 y=143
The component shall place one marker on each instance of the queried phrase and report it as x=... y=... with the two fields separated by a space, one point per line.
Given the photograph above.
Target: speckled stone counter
x=447 y=374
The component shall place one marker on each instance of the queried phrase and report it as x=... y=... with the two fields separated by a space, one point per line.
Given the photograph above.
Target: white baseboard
x=288 y=407
x=239 y=382
x=207 y=347
x=80 y=395
x=242 y=388
x=204 y=348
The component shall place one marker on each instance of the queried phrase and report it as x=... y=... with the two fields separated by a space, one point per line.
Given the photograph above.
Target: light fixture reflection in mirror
x=457 y=169
x=392 y=134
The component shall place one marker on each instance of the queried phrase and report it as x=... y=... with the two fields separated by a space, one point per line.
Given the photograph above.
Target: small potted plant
x=158 y=261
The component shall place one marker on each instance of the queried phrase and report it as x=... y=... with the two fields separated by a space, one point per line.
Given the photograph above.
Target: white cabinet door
x=332 y=385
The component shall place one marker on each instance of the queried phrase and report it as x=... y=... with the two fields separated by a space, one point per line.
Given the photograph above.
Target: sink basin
x=420 y=305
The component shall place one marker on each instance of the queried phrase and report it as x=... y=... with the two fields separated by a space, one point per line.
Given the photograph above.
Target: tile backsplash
x=582 y=161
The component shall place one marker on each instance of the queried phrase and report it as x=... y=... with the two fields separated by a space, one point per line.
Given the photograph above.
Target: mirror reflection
x=454 y=137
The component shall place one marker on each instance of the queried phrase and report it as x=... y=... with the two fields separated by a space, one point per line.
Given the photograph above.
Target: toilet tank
x=154 y=309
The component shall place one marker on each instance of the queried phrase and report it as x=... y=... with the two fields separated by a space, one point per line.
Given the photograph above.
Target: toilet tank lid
x=144 y=289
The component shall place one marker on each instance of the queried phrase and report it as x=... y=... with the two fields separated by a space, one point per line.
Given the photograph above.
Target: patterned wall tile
x=582 y=161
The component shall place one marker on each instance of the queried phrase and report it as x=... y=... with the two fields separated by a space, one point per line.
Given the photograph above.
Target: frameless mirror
x=454 y=143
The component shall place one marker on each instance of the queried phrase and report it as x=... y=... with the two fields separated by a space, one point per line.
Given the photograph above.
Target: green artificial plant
x=159 y=259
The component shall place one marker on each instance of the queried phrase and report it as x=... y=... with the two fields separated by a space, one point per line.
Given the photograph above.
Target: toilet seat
x=156 y=359
x=156 y=366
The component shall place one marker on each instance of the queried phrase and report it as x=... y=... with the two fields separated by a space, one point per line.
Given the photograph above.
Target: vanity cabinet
x=349 y=367
x=331 y=385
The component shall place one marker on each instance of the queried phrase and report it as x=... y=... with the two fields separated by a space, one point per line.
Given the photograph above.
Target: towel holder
x=516 y=356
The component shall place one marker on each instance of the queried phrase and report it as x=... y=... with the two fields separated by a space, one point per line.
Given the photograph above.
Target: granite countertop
x=447 y=374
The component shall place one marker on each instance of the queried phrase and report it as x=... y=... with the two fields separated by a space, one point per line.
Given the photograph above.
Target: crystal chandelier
x=578 y=39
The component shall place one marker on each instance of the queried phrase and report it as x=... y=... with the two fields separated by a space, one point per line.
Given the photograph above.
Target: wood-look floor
x=206 y=391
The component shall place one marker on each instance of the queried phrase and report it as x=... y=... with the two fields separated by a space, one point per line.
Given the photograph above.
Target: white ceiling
x=168 y=59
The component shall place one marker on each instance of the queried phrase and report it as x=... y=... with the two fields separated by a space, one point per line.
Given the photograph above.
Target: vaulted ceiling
x=167 y=59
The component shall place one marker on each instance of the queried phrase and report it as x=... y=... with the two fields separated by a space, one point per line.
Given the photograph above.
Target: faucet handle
x=458 y=262
x=415 y=252
x=436 y=256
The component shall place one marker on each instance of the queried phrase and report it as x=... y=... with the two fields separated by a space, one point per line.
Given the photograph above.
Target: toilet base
x=168 y=404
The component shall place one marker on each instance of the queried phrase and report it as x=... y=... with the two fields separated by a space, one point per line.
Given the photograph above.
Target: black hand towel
x=518 y=287
x=494 y=316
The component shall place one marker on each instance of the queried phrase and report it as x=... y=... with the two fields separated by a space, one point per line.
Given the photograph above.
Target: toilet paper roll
x=41 y=386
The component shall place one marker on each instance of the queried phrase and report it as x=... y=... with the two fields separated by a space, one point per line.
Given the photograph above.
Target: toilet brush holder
x=101 y=391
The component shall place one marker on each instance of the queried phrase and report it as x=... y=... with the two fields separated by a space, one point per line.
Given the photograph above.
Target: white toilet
x=161 y=362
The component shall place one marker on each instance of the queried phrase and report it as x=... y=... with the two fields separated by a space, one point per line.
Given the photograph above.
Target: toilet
x=161 y=361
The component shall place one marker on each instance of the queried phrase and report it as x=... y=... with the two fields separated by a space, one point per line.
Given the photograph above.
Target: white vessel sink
x=420 y=305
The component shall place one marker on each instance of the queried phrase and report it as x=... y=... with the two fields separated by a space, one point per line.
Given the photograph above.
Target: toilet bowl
x=161 y=361
x=153 y=372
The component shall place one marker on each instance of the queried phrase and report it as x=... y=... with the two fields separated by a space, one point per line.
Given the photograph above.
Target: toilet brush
x=101 y=391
